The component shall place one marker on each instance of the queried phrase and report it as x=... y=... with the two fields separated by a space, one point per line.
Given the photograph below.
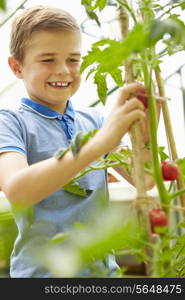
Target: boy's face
x=50 y=69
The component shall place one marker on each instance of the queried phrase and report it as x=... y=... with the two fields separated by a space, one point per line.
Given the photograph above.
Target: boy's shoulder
x=9 y=113
x=11 y=121
x=12 y=115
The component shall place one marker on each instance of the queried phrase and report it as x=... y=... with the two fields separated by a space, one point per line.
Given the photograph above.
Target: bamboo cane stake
x=135 y=131
x=137 y=151
x=169 y=130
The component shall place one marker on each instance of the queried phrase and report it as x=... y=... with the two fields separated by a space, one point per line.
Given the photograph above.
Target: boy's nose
x=62 y=69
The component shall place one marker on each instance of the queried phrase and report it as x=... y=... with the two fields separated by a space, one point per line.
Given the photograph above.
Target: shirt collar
x=45 y=111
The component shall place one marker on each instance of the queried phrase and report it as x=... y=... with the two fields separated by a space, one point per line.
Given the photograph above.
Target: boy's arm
x=27 y=185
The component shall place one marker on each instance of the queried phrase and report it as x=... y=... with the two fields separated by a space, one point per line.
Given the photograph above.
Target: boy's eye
x=47 y=60
x=74 y=60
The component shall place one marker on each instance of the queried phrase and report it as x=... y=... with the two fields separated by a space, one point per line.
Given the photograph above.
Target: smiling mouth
x=59 y=84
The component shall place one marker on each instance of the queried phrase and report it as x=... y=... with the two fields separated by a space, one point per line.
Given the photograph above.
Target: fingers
x=132 y=104
x=127 y=91
x=143 y=125
x=135 y=115
x=134 y=110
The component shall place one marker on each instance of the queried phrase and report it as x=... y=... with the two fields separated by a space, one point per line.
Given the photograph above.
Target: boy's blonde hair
x=38 y=18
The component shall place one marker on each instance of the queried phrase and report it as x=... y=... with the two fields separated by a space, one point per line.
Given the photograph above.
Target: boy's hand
x=138 y=90
x=123 y=115
x=145 y=124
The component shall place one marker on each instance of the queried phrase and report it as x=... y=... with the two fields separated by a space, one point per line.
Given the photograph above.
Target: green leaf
x=3 y=4
x=86 y=2
x=114 y=52
x=94 y=4
x=172 y=26
x=182 y=5
x=105 y=42
x=101 y=4
x=100 y=81
x=60 y=153
x=8 y=232
x=123 y=155
x=90 y=58
x=181 y=163
x=80 y=139
x=75 y=188
x=157 y=7
x=90 y=72
x=114 y=55
x=89 y=7
x=162 y=154
x=92 y=15
x=113 y=156
x=77 y=143
x=59 y=238
x=117 y=76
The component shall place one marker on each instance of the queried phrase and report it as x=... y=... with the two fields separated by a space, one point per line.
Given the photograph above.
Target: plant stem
x=130 y=10
x=178 y=193
x=90 y=168
x=174 y=207
x=163 y=195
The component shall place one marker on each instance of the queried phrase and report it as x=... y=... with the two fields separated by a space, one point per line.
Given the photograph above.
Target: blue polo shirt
x=38 y=132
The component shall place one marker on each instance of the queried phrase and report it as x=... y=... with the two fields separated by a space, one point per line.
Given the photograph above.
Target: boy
x=45 y=51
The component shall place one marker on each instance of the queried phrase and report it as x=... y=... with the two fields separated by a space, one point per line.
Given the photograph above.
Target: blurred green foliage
x=3 y=4
x=8 y=233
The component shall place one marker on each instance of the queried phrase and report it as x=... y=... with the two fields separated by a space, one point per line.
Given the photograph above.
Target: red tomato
x=170 y=170
x=158 y=218
x=142 y=96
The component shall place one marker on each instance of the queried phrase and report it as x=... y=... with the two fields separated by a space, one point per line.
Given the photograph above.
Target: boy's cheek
x=76 y=70
x=78 y=77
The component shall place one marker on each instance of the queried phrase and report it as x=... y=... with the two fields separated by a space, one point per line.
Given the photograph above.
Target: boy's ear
x=15 y=66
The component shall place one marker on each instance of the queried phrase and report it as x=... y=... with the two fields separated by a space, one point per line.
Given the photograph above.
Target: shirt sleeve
x=11 y=132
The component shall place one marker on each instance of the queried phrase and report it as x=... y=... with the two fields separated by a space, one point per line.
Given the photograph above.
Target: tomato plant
x=152 y=23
